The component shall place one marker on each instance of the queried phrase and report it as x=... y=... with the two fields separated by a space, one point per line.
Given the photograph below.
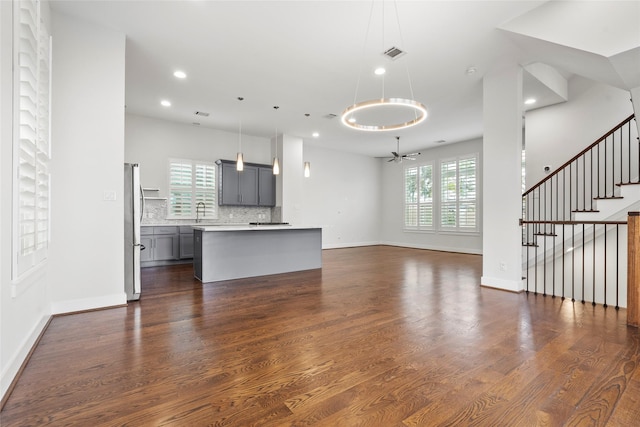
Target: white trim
x=12 y=366
x=83 y=304
x=434 y=247
x=349 y=245
x=504 y=284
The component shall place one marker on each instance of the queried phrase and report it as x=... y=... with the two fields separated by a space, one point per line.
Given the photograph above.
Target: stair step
x=532 y=245
x=586 y=210
x=620 y=184
x=608 y=198
x=545 y=234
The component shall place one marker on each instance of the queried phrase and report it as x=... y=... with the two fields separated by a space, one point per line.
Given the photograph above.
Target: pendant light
x=239 y=159
x=416 y=112
x=307 y=169
x=276 y=162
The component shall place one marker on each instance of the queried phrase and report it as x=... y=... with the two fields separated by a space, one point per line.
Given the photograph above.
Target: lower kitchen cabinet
x=165 y=245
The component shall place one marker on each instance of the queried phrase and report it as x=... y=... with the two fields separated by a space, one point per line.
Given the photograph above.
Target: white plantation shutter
x=458 y=198
x=190 y=183
x=418 y=212
x=33 y=49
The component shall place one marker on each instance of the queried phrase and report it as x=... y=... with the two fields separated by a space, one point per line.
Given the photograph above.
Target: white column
x=502 y=176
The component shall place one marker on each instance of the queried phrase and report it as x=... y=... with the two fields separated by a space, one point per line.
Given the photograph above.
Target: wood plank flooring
x=381 y=336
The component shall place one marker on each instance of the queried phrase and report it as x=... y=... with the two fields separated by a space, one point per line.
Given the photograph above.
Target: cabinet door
x=228 y=193
x=266 y=187
x=166 y=247
x=186 y=246
x=147 y=253
x=248 y=186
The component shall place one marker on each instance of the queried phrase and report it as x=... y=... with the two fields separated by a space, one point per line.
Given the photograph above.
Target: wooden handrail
x=577 y=156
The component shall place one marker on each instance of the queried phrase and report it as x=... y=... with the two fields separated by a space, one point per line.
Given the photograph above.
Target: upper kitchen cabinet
x=251 y=187
x=266 y=186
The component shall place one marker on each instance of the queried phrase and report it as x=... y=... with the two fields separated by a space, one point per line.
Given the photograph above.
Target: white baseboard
x=349 y=245
x=83 y=304
x=503 y=284
x=435 y=248
x=12 y=367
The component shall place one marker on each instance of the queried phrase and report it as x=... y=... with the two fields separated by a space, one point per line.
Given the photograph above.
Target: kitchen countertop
x=247 y=227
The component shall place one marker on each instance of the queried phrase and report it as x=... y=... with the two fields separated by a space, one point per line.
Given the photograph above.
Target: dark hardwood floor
x=381 y=336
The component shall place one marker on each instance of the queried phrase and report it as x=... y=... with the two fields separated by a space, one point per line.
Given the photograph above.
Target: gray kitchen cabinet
x=245 y=188
x=162 y=243
x=266 y=186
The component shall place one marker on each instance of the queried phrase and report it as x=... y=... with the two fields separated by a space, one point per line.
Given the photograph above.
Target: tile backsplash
x=156 y=213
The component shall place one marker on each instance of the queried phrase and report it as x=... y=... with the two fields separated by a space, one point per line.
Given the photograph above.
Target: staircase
x=574 y=221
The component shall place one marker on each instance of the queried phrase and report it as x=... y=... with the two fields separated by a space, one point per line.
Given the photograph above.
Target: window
x=458 y=199
x=32 y=83
x=418 y=190
x=191 y=183
x=453 y=207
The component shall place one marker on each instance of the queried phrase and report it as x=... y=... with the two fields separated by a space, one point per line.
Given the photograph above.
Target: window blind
x=32 y=82
x=191 y=183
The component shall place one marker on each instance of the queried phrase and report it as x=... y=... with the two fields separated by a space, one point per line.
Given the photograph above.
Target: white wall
x=555 y=134
x=86 y=264
x=392 y=226
x=152 y=142
x=24 y=304
x=343 y=196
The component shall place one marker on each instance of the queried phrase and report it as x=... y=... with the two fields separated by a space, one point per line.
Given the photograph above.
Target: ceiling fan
x=397 y=157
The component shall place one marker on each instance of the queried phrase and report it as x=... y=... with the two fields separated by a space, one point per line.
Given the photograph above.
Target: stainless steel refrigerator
x=133 y=211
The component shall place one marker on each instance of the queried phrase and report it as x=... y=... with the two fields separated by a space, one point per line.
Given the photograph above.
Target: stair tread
x=608 y=198
x=586 y=210
x=620 y=184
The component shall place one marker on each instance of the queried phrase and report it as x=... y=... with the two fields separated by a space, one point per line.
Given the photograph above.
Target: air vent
x=394 y=53
x=330 y=116
x=202 y=113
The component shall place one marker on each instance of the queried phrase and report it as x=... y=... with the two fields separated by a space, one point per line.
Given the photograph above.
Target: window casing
x=32 y=86
x=418 y=191
x=191 y=183
x=442 y=198
x=458 y=194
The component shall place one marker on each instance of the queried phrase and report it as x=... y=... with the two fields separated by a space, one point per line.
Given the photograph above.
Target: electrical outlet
x=109 y=196
x=503 y=266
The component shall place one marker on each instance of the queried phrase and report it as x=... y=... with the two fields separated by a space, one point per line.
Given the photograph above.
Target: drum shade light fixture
x=411 y=111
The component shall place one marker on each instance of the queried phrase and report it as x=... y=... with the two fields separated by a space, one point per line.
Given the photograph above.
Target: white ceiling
x=307 y=56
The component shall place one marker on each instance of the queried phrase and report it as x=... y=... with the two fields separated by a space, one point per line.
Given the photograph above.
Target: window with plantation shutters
x=32 y=88
x=458 y=198
x=418 y=199
x=192 y=183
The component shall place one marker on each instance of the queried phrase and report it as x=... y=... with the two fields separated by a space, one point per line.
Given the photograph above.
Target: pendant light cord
x=364 y=46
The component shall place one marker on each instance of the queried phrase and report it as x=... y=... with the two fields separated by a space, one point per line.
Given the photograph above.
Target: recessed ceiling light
x=315 y=134
x=180 y=74
x=530 y=101
x=379 y=71
x=165 y=103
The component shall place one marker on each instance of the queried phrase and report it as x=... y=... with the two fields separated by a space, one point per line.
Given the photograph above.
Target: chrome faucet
x=204 y=207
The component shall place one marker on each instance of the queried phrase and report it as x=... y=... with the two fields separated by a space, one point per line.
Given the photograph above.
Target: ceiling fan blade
x=412 y=154
x=394 y=154
x=392 y=160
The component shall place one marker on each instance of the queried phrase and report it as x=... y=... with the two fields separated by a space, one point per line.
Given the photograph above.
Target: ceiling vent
x=202 y=113
x=330 y=116
x=394 y=53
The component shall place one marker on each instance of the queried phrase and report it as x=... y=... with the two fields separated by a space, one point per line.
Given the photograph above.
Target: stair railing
x=581 y=260
x=595 y=173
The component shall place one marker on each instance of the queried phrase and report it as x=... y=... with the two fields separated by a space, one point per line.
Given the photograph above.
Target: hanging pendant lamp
x=365 y=115
x=239 y=159
x=276 y=162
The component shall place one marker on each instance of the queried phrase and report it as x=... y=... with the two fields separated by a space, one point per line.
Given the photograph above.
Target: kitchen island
x=234 y=252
